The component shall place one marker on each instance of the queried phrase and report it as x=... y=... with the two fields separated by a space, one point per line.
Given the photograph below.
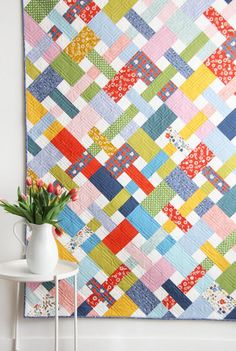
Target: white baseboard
x=124 y=344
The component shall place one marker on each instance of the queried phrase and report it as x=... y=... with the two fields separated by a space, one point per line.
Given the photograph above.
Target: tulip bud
x=29 y=181
x=75 y=197
x=39 y=183
x=58 y=231
x=58 y=190
x=73 y=191
x=24 y=197
x=50 y=188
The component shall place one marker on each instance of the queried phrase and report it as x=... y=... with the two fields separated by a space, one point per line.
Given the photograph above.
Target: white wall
x=101 y=334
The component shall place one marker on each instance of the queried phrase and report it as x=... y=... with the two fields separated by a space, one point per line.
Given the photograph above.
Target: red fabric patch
x=68 y=145
x=120 y=236
x=186 y=285
x=140 y=179
x=116 y=277
x=218 y=20
x=123 y=81
x=91 y=168
x=221 y=65
x=192 y=279
x=177 y=218
x=196 y=160
x=89 y=12
x=168 y=302
x=70 y=2
x=109 y=284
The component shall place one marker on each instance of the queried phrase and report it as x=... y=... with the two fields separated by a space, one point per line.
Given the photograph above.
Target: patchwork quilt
x=133 y=102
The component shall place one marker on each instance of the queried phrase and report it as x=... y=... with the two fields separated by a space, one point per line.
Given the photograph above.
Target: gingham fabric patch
x=133 y=102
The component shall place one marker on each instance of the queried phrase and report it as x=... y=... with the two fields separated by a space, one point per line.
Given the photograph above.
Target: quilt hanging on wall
x=133 y=102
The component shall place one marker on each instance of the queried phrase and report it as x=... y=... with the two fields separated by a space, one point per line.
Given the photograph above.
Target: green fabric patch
x=31 y=70
x=39 y=9
x=101 y=64
x=90 y=92
x=158 y=198
x=68 y=69
x=117 y=9
x=105 y=259
x=227 y=280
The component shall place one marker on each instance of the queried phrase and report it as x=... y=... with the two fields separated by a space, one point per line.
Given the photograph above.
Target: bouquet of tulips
x=41 y=203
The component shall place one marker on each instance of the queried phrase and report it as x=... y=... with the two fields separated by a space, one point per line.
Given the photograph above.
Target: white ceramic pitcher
x=41 y=251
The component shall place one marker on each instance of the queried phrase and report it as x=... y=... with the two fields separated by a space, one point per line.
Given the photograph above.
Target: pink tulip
x=24 y=197
x=50 y=188
x=58 y=190
x=29 y=181
x=73 y=191
x=75 y=197
x=39 y=183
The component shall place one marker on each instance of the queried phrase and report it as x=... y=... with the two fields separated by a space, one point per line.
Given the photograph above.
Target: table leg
x=17 y=348
x=75 y=312
x=56 y=314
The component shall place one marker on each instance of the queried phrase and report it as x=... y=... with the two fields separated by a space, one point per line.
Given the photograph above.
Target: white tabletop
x=18 y=270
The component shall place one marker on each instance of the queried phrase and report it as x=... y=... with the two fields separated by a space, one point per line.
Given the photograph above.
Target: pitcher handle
x=17 y=235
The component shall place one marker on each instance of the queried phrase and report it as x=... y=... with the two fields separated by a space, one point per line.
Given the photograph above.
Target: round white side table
x=18 y=271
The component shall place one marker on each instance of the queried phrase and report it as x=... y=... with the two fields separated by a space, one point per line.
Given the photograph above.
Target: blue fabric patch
x=181 y=183
x=45 y=160
x=228 y=125
x=139 y=24
x=83 y=309
x=143 y=297
x=44 y=84
x=178 y=63
x=204 y=206
x=165 y=245
x=106 y=107
x=128 y=206
x=105 y=183
x=90 y=243
x=177 y=294
x=70 y=222
x=32 y=147
x=143 y=222
x=200 y=309
x=105 y=29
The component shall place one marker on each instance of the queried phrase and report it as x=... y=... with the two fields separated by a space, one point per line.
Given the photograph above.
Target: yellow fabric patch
x=102 y=141
x=197 y=82
x=195 y=123
x=82 y=44
x=64 y=254
x=124 y=307
x=215 y=256
x=34 y=110
x=53 y=130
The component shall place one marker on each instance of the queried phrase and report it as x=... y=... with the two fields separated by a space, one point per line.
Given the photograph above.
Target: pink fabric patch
x=66 y=296
x=139 y=256
x=182 y=106
x=115 y=50
x=159 y=43
x=88 y=193
x=83 y=122
x=219 y=222
x=158 y=274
